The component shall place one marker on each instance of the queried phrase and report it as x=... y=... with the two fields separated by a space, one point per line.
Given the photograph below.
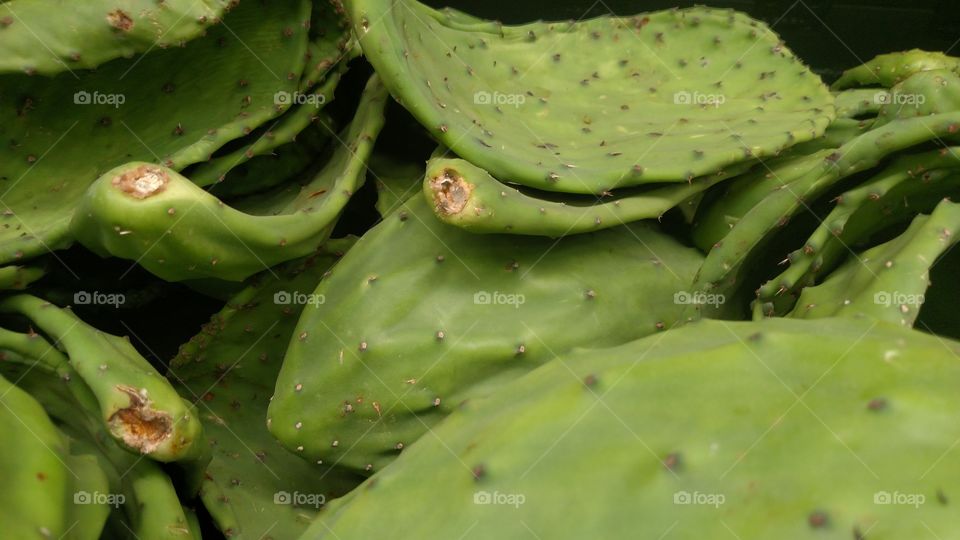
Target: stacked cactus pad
x=351 y=269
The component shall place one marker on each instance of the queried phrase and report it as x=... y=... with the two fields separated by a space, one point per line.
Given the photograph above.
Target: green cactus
x=140 y=408
x=149 y=507
x=466 y=196
x=887 y=70
x=42 y=477
x=711 y=429
x=176 y=106
x=375 y=366
x=585 y=107
x=719 y=273
x=230 y=368
x=909 y=185
x=40 y=36
x=887 y=282
x=19 y=277
x=178 y=231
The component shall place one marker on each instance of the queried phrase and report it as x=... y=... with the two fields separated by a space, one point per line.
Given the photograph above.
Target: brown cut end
x=120 y=20
x=142 y=182
x=450 y=192
x=139 y=425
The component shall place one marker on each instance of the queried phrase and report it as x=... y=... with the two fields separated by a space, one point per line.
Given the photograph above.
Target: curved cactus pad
x=419 y=316
x=589 y=106
x=779 y=429
x=254 y=488
x=174 y=106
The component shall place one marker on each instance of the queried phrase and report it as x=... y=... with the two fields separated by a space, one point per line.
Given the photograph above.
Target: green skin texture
x=748 y=410
x=41 y=475
x=181 y=231
x=887 y=70
x=857 y=102
x=151 y=508
x=567 y=136
x=911 y=184
x=719 y=274
x=939 y=89
x=33 y=37
x=488 y=206
x=402 y=338
x=127 y=388
x=202 y=89
x=897 y=270
x=229 y=368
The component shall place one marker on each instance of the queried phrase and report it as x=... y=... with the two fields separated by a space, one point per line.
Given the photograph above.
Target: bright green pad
x=887 y=282
x=178 y=231
x=142 y=412
x=419 y=316
x=887 y=70
x=799 y=425
x=589 y=106
x=180 y=105
x=466 y=196
x=41 y=476
x=51 y=36
x=229 y=368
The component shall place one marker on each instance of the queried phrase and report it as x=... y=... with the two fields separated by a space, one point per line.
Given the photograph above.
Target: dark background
x=830 y=35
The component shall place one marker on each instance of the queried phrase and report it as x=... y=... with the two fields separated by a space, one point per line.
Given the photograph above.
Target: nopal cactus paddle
x=373 y=367
x=887 y=282
x=39 y=36
x=175 y=229
x=253 y=487
x=585 y=107
x=141 y=410
x=174 y=106
x=466 y=196
x=834 y=428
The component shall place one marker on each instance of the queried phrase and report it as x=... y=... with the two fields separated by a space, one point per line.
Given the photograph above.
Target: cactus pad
x=585 y=107
x=778 y=429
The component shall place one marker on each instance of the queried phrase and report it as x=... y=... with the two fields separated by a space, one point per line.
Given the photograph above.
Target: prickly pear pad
x=420 y=315
x=588 y=106
x=834 y=428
